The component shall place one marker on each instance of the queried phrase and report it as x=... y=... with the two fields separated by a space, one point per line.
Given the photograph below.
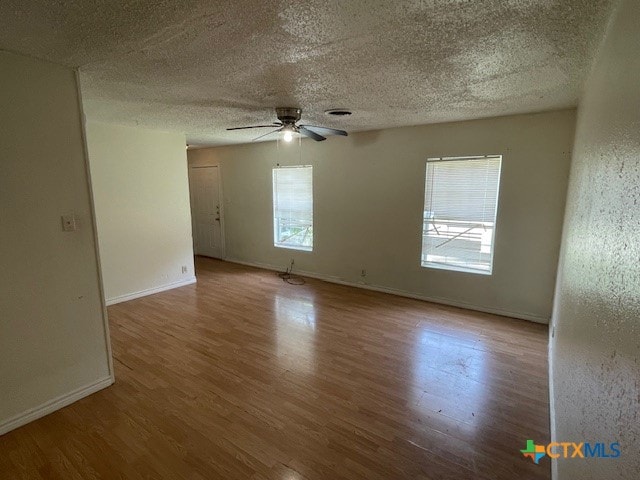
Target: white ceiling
x=200 y=66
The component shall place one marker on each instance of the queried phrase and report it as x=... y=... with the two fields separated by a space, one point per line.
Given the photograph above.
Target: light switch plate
x=69 y=223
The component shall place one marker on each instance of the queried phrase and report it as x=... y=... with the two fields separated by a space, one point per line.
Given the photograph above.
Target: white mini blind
x=293 y=207
x=460 y=206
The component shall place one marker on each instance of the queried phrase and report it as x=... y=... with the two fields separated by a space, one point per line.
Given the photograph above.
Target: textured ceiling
x=199 y=66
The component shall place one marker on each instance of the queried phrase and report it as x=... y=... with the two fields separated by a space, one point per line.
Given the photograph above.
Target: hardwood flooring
x=243 y=376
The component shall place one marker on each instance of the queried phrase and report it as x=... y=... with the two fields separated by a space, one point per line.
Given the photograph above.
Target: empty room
x=300 y=240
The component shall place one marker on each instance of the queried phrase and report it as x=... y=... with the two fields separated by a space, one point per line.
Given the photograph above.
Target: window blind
x=460 y=206
x=293 y=207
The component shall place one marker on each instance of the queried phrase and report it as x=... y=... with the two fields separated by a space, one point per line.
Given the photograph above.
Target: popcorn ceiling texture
x=199 y=66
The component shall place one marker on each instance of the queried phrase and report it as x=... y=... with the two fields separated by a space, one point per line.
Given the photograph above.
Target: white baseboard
x=150 y=291
x=552 y=400
x=53 y=405
x=401 y=293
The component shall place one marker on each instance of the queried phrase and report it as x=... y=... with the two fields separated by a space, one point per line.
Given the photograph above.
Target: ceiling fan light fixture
x=287 y=132
x=287 y=125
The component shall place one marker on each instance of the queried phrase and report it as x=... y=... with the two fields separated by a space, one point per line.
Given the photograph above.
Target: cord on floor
x=289 y=277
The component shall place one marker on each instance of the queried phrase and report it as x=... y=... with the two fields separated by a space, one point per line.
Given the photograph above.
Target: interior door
x=206 y=213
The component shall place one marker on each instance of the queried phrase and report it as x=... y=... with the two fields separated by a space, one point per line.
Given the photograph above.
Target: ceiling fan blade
x=309 y=133
x=262 y=136
x=255 y=126
x=325 y=130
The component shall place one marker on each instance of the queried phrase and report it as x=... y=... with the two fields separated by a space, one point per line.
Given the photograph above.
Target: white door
x=206 y=212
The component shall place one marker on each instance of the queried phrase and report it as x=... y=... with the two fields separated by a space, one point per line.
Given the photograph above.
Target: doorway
x=206 y=211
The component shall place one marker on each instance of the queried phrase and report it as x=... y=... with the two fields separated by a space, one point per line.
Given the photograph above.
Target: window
x=460 y=205
x=293 y=207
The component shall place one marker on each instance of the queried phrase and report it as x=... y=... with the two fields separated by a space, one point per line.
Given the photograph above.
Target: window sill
x=294 y=247
x=453 y=268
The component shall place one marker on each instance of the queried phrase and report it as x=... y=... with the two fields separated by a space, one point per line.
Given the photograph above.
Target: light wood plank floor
x=243 y=376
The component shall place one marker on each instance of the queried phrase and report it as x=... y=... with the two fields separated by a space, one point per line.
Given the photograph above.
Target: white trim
x=402 y=293
x=94 y=226
x=552 y=401
x=217 y=165
x=550 y=354
x=54 y=404
x=150 y=291
x=222 y=216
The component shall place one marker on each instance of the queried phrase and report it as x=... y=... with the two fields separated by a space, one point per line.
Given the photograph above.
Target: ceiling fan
x=288 y=119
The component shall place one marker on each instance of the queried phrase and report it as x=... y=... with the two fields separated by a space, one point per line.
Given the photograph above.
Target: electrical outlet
x=363 y=277
x=184 y=269
x=69 y=223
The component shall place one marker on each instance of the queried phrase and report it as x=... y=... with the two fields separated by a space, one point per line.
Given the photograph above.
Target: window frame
x=276 y=243
x=448 y=266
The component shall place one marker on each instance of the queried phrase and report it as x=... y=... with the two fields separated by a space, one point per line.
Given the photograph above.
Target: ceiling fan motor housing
x=288 y=116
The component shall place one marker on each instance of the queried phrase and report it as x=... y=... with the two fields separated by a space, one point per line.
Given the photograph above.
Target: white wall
x=595 y=354
x=141 y=194
x=53 y=337
x=368 y=202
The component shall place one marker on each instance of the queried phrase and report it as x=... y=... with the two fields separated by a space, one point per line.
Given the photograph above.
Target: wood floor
x=244 y=376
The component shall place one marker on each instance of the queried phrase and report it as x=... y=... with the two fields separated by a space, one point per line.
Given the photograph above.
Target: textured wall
x=368 y=202
x=595 y=355
x=52 y=332
x=141 y=195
